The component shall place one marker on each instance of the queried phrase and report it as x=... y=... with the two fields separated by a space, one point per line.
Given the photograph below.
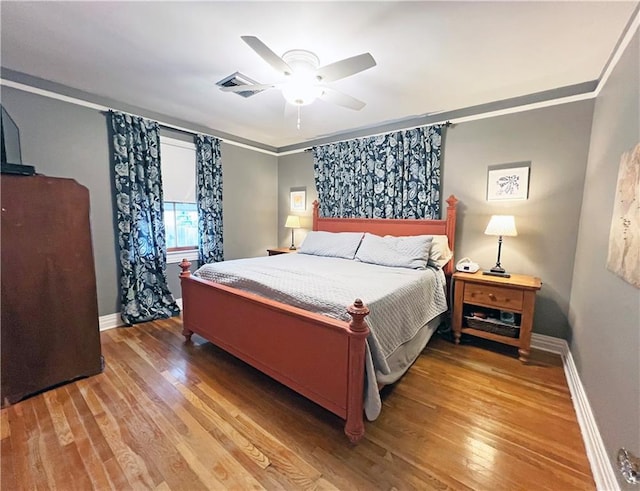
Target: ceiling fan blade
x=345 y=68
x=341 y=99
x=248 y=87
x=267 y=55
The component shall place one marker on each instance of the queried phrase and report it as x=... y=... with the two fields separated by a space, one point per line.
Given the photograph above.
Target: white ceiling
x=165 y=57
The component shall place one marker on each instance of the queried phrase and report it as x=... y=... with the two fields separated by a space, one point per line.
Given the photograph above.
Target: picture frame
x=508 y=181
x=298 y=199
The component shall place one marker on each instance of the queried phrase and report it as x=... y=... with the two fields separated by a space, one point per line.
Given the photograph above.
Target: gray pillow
x=402 y=252
x=332 y=244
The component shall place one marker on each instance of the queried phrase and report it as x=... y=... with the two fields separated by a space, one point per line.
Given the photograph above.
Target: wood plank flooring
x=170 y=415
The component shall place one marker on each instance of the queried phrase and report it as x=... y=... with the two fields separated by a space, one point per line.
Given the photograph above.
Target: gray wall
x=555 y=140
x=66 y=140
x=250 y=191
x=604 y=309
x=294 y=171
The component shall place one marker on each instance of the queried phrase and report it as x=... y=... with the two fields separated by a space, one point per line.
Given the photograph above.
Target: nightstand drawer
x=493 y=296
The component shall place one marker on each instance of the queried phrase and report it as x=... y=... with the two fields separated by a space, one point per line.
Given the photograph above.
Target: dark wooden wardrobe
x=50 y=331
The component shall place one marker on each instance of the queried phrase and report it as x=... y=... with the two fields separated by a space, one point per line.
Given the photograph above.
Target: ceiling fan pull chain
x=298 y=125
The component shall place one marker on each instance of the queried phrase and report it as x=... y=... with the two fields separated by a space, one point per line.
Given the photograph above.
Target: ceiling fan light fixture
x=301 y=91
x=300 y=88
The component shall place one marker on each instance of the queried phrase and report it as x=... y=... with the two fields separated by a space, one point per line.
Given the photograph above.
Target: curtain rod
x=446 y=124
x=169 y=126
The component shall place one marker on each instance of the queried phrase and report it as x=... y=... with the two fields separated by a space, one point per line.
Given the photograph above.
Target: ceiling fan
x=304 y=79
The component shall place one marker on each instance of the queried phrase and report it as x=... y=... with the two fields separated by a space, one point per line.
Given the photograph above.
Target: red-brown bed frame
x=317 y=356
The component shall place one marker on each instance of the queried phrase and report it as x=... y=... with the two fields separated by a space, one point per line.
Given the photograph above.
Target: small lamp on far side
x=293 y=222
x=500 y=225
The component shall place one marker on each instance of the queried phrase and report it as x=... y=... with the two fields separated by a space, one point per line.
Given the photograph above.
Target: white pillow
x=402 y=252
x=440 y=253
x=332 y=244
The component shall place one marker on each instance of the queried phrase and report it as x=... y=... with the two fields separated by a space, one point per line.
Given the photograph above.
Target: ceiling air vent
x=236 y=79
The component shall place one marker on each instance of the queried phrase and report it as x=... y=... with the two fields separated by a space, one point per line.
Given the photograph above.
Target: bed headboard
x=391 y=226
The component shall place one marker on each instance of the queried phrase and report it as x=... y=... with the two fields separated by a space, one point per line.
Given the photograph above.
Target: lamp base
x=497 y=273
x=292 y=248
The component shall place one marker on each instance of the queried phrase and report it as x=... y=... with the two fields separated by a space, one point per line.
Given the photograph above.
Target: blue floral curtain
x=396 y=175
x=209 y=197
x=144 y=294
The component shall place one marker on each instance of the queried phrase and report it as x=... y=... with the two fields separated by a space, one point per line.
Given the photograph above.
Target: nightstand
x=503 y=308
x=280 y=250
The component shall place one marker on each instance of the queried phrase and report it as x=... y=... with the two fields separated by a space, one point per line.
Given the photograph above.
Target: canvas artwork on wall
x=508 y=181
x=624 y=238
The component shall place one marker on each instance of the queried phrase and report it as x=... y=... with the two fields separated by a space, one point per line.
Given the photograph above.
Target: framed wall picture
x=508 y=181
x=298 y=199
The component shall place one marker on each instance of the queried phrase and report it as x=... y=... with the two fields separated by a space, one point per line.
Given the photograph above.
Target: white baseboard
x=603 y=473
x=114 y=320
x=549 y=343
x=110 y=321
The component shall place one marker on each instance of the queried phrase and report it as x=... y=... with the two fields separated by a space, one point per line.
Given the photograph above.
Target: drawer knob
x=492 y=296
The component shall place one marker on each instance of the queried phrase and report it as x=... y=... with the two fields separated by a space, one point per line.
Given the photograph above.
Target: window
x=181 y=225
x=178 y=163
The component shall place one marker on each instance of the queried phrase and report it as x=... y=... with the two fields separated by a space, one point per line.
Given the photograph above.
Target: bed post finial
x=184 y=266
x=358 y=311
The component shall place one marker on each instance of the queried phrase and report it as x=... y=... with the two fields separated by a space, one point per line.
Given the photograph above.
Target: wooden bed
x=291 y=344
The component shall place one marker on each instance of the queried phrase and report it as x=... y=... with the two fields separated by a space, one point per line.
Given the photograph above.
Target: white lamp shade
x=504 y=225
x=293 y=221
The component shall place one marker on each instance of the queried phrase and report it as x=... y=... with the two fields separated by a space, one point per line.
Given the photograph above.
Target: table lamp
x=293 y=222
x=500 y=225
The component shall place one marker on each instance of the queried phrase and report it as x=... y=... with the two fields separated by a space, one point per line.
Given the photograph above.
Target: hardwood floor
x=169 y=415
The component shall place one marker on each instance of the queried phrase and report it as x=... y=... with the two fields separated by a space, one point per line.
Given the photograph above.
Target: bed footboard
x=319 y=357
